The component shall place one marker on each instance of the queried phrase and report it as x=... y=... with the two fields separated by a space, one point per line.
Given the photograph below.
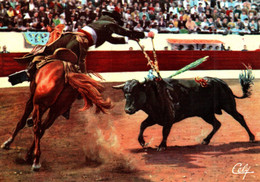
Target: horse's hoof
x=36 y=167
x=29 y=122
x=5 y=145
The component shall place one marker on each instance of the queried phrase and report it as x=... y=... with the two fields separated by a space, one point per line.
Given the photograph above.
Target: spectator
x=228 y=49
x=197 y=22
x=258 y=48
x=2 y=27
x=200 y=9
x=110 y=7
x=225 y=23
x=144 y=12
x=191 y=25
x=161 y=24
x=194 y=9
x=175 y=48
x=181 y=47
x=203 y=47
x=190 y=47
x=240 y=24
x=252 y=23
x=245 y=31
x=138 y=28
x=181 y=22
x=172 y=28
x=231 y=24
x=235 y=30
x=245 y=48
x=253 y=30
x=5 y=49
x=183 y=30
x=204 y=25
x=210 y=48
x=144 y=22
x=243 y=16
x=56 y=20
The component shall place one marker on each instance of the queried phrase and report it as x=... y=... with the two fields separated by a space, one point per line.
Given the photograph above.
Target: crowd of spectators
x=168 y=16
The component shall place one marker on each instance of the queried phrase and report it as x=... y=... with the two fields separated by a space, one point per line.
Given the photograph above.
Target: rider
x=95 y=33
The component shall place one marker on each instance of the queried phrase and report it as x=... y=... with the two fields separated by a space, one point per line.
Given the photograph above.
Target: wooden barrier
x=122 y=61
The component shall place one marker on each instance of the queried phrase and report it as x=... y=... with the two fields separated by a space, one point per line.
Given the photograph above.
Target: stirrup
x=18 y=77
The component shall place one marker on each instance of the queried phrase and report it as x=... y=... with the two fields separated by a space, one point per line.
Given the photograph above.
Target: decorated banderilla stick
x=150 y=62
x=189 y=66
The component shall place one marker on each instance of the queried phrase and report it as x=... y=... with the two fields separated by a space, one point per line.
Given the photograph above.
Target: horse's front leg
x=20 y=125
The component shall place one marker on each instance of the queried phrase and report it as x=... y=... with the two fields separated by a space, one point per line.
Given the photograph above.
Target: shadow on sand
x=185 y=156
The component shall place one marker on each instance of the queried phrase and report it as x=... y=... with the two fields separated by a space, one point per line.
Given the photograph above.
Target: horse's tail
x=90 y=90
x=246 y=81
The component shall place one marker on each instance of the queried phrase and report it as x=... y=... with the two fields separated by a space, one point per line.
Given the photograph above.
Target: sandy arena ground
x=104 y=147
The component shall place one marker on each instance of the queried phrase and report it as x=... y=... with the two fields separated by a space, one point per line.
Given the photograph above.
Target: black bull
x=171 y=100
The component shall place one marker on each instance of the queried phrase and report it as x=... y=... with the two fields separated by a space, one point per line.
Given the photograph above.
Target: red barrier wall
x=121 y=61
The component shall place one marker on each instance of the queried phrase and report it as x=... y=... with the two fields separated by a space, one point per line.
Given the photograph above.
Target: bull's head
x=135 y=96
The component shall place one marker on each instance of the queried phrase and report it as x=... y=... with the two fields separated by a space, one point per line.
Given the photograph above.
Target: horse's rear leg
x=62 y=104
x=51 y=117
x=20 y=125
x=37 y=116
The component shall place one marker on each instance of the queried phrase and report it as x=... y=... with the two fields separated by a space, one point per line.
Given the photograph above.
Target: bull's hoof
x=159 y=149
x=162 y=147
x=252 y=139
x=142 y=143
x=36 y=167
x=205 y=142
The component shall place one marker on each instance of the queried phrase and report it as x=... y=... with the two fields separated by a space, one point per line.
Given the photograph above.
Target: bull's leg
x=146 y=123
x=211 y=119
x=237 y=116
x=20 y=125
x=166 y=132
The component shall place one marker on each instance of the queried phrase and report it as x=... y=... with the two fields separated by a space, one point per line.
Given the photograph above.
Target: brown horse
x=55 y=89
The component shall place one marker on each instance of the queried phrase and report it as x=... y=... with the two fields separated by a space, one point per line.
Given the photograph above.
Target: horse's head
x=116 y=16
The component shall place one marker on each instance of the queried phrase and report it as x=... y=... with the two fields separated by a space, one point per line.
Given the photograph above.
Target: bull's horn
x=119 y=86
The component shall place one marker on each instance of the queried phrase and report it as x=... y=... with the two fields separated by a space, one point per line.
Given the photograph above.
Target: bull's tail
x=90 y=90
x=246 y=81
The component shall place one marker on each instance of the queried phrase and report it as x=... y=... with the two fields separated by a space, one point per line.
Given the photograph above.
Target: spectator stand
x=221 y=15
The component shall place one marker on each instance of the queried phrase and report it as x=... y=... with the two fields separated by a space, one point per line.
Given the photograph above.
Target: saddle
x=61 y=54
